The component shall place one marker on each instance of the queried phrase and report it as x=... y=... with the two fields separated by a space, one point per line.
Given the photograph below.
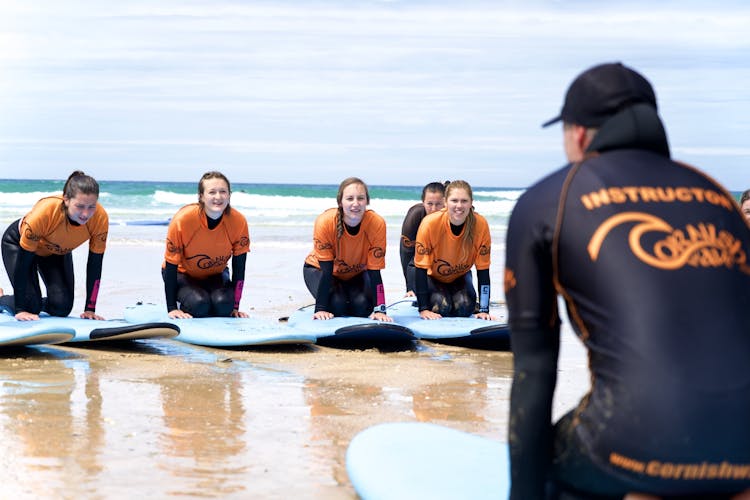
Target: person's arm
x=408 y=234
x=423 y=295
x=324 y=290
x=535 y=339
x=238 y=281
x=170 y=286
x=483 y=279
x=420 y=288
x=93 y=280
x=530 y=433
x=378 y=291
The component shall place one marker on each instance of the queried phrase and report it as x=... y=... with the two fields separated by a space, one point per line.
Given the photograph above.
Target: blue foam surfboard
x=412 y=461
x=222 y=332
x=351 y=331
x=467 y=332
x=91 y=330
x=148 y=222
x=141 y=222
x=22 y=333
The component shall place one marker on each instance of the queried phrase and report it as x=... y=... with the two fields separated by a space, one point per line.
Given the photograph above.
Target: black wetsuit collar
x=352 y=230
x=635 y=127
x=212 y=223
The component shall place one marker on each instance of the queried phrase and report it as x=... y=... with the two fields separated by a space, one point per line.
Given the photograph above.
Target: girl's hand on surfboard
x=427 y=314
x=485 y=316
x=322 y=315
x=178 y=314
x=379 y=316
x=239 y=314
x=90 y=315
x=27 y=316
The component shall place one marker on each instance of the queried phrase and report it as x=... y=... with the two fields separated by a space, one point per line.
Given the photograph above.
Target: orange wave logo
x=698 y=245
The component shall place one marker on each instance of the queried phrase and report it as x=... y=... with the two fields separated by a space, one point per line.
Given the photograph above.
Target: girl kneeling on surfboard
x=449 y=242
x=41 y=244
x=343 y=270
x=433 y=199
x=201 y=239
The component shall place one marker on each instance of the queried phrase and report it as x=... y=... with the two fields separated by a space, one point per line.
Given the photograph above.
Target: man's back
x=651 y=258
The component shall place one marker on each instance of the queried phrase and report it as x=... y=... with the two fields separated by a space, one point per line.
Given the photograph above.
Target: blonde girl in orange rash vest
x=201 y=239
x=41 y=244
x=343 y=270
x=449 y=243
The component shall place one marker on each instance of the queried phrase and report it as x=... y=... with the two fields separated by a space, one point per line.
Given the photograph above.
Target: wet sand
x=166 y=419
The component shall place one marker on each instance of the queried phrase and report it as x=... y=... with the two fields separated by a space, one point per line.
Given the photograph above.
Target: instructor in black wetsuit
x=650 y=256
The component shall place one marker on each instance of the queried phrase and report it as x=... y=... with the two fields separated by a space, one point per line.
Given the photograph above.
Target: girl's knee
x=222 y=302
x=361 y=306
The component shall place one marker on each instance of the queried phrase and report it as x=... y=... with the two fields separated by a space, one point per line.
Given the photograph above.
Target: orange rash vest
x=439 y=251
x=46 y=230
x=200 y=252
x=351 y=254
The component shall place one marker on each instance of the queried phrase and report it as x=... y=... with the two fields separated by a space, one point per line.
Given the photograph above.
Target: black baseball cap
x=600 y=92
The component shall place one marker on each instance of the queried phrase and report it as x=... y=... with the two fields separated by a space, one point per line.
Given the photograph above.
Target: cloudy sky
x=396 y=92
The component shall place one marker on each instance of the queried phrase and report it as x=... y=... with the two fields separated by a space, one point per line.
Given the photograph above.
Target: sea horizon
x=277 y=213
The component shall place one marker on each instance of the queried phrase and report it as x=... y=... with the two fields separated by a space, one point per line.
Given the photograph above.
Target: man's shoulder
x=546 y=190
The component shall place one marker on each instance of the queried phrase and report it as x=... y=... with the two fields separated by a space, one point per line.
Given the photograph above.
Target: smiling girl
x=449 y=243
x=40 y=244
x=201 y=239
x=343 y=270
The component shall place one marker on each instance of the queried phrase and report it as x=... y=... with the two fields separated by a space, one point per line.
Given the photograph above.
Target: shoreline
x=164 y=418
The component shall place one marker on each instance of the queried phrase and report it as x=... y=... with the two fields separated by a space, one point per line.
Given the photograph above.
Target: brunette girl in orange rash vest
x=343 y=270
x=41 y=244
x=201 y=239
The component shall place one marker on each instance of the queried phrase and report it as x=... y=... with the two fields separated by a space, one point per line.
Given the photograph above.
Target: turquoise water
x=283 y=211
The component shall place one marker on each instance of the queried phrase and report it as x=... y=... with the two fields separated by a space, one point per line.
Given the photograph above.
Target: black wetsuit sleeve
x=535 y=339
x=238 y=277
x=376 y=280
x=408 y=234
x=531 y=431
x=20 y=278
x=483 y=279
x=93 y=279
x=420 y=288
x=170 y=286
x=324 y=286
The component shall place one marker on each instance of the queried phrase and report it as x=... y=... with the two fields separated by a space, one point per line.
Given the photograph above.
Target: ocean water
x=278 y=214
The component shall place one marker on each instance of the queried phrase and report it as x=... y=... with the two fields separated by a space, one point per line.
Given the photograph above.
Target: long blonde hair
x=467 y=237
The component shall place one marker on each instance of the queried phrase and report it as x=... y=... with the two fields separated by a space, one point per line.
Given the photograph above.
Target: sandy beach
x=166 y=419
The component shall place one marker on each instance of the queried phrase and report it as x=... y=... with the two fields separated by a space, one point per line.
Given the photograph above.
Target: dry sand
x=165 y=419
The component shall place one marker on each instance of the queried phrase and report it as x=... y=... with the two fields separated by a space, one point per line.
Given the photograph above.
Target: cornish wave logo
x=696 y=245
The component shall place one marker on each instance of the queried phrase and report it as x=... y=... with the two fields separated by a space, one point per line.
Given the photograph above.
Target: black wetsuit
x=212 y=296
x=24 y=269
x=651 y=258
x=408 y=235
x=356 y=296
